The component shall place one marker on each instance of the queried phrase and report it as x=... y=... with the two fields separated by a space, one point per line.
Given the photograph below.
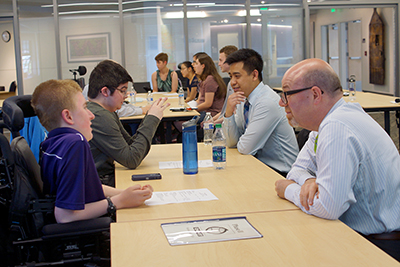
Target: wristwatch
x=111 y=209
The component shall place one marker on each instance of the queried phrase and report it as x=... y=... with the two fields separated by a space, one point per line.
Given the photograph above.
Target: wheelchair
x=33 y=236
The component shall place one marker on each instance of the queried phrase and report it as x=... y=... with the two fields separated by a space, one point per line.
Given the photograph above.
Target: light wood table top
x=172 y=98
x=5 y=94
x=246 y=185
x=291 y=238
x=372 y=101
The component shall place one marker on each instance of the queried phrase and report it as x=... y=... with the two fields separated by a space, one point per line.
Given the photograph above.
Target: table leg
x=168 y=134
x=398 y=123
x=387 y=121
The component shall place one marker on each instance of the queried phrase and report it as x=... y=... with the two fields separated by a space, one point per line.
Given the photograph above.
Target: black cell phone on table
x=177 y=109
x=145 y=177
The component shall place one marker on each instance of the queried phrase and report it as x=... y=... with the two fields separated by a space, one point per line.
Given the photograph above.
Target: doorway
x=341 y=48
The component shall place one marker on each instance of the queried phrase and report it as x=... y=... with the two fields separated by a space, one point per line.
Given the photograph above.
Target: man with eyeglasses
x=253 y=120
x=349 y=169
x=108 y=85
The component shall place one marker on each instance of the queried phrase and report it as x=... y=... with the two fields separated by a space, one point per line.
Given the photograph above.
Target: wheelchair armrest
x=59 y=230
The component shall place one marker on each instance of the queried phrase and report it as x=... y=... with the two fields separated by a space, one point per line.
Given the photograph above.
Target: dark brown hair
x=210 y=69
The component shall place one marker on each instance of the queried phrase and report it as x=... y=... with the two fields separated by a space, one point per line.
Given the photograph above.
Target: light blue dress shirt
x=268 y=135
x=357 y=167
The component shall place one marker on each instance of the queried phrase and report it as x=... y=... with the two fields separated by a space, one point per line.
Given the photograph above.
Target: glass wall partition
x=37 y=37
x=149 y=27
x=279 y=39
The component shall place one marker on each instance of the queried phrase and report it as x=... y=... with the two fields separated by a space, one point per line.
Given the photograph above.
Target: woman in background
x=192 y=84
x=212 y=87
x=164 y=79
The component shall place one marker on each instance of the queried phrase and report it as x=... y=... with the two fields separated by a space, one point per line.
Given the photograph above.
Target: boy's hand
x=158 y=107
x=133 y=196
x=145 y=108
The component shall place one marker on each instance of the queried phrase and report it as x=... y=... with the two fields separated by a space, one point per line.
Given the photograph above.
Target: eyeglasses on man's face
x=123 y=91
x=292 y=92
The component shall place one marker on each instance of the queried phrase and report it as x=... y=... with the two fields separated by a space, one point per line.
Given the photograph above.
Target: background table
x=291 y=238
x=169 y=116
x=372 y=102
x=246 y=185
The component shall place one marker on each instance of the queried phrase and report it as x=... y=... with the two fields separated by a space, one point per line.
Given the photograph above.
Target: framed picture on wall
x=88 y=47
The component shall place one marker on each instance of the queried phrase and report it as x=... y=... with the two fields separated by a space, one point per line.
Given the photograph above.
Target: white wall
x=325 y=17
x=8 y=71
x=88 y=25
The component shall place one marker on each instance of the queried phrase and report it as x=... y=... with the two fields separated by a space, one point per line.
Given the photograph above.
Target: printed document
x=204 y=231
x=180 y=196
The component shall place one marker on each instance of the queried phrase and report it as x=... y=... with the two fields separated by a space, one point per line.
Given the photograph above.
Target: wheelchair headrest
x=15 y=109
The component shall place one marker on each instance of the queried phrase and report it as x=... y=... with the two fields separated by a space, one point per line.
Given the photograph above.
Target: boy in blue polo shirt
x=67 y=166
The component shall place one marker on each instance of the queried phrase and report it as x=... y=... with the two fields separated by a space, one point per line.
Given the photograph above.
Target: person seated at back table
x=212 y=87
x=193 y=83
x=108 y=85
x=224 y=52
x=254 y=122
x=164 y=79
x=349 y=168
x=67 y=166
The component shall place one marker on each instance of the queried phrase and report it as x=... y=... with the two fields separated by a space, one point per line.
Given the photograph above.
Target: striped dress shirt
x=357 y=170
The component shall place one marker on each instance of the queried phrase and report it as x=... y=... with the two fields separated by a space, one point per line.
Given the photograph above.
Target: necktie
x=246 y=113
x=315 y=144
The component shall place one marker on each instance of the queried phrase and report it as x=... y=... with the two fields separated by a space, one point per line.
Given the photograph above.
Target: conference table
x=290 y=238
x=169 y=116
x=246 y=185
x=372 y=102
x=244 y=188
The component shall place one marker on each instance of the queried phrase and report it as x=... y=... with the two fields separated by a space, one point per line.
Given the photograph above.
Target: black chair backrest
x=302 y=137
x=28 y=187
x=15 y=109
x=6 y=171
x=226 y=80
x=142 y=87
x=13 y=87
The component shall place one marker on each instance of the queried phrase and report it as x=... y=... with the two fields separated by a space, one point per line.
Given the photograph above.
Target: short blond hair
x=50 y=98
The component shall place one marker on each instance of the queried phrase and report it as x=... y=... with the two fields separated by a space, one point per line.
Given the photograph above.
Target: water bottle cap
x=192 y=122
x=218 y=125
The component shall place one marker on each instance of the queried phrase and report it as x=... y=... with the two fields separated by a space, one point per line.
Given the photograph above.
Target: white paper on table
x=165 y=93
x=178 y=164
x=192 y=104
x=180 y=196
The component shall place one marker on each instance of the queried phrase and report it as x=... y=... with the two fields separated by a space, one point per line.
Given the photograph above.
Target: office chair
x=142 y=87
x=302 y=137
x=13 y=87
x=226 y=80
x=6 y=189
x=35 y=236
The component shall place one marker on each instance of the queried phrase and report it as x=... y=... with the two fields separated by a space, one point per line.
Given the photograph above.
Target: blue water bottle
x=189 y=146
